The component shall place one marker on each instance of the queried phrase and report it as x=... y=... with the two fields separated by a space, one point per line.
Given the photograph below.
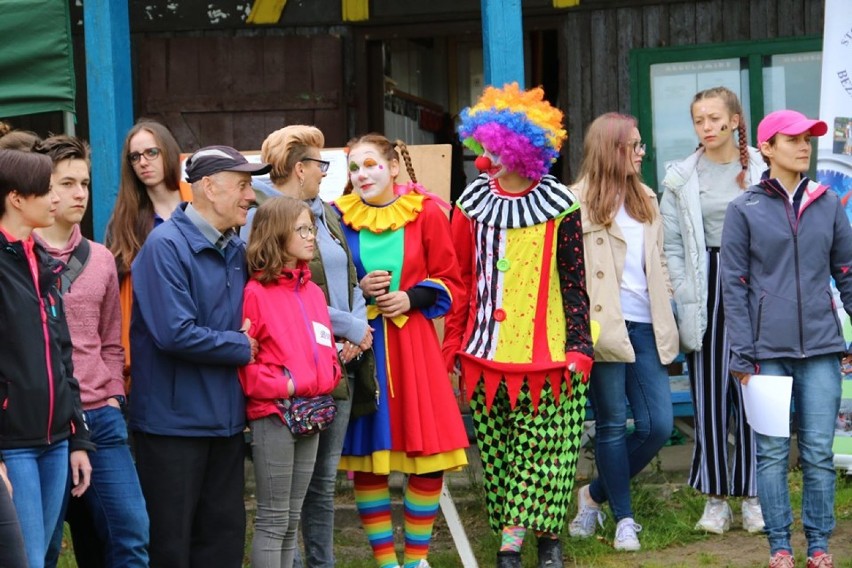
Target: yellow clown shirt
x=524 y=303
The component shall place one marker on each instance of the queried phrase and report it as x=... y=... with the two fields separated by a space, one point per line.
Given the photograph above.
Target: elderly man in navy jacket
x=187 y=410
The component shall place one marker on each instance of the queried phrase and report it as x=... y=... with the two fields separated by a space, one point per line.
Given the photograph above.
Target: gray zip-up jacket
x=776 y=274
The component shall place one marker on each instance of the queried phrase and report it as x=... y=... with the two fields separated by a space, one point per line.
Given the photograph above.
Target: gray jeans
x=318 y=509
x=283 y=466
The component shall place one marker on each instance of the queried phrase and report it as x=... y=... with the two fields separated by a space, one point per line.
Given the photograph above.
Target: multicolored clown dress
x=417 y=427
x=522 y=317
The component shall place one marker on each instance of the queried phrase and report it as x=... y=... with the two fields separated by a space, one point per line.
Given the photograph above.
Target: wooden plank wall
x=236 y=90
x=596 y=46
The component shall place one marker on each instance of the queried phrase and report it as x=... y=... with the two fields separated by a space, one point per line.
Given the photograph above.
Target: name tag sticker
x=322 y=334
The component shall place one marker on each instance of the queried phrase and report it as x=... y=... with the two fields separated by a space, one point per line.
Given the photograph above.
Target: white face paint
x=497 y=169
x=371 y=174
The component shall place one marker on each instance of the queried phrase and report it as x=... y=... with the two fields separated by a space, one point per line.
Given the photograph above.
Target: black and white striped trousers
x=719 y=411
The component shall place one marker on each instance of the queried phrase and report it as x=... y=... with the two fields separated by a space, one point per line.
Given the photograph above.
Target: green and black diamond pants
x=529 y=459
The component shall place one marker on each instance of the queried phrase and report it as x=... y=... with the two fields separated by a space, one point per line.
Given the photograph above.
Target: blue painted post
x=109 y=82
x=503 y=42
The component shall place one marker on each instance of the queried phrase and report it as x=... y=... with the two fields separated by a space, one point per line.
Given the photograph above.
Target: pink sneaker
x=782 y=559
x=820 y=560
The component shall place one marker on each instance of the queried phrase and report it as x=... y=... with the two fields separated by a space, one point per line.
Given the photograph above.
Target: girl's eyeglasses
x=323 y=164
x=149 y=153
x=305 y=230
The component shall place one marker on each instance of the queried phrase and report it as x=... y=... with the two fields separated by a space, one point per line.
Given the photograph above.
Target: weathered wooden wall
x=236 y=90
x=596 y=44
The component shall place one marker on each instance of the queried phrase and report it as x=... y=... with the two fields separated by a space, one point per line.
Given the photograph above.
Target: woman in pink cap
x=782 y=242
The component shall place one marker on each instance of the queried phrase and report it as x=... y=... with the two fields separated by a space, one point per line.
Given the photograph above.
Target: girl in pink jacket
x=296 y=357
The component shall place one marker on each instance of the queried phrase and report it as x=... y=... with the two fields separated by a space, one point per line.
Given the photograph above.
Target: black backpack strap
x=75 y=265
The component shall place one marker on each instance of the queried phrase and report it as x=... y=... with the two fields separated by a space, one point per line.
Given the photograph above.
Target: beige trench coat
x=605 y=253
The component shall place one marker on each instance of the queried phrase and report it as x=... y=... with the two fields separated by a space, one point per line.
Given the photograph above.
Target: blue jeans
x=816 y=396
x=115 y=498
x=39 y=477
x=318 y=507
x=645 y=384
x=114 y=501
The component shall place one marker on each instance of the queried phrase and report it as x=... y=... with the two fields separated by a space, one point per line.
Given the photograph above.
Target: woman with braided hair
x=697 y=192
x=400 y=243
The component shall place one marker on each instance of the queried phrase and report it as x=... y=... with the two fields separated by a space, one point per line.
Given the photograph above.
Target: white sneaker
x=752 y=515
x=625 y=535
x=588 y=514
x=717 y=516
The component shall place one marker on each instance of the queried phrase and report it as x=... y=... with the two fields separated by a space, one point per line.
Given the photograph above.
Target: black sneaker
x=508 y=559
x=549 y=552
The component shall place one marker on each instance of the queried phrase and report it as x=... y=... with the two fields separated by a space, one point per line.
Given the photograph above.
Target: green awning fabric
x=36 y=60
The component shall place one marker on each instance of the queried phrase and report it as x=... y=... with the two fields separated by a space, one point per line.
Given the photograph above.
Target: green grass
x=666 y=508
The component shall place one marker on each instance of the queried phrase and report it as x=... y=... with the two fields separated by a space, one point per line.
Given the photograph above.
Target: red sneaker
x=782 y=559
x=820 y=560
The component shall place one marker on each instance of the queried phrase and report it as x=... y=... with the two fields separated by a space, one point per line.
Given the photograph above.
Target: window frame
x=752 y=51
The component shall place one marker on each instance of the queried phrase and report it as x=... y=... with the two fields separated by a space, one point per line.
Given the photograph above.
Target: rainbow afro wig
x=519 y=127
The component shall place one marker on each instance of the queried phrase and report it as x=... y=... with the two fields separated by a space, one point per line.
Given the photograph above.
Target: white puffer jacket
x=684 y=243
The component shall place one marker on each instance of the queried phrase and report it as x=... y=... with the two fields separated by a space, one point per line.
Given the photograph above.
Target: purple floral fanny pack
x=307 y=416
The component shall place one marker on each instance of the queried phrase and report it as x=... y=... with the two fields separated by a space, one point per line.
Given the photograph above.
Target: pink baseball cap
x=788 y=122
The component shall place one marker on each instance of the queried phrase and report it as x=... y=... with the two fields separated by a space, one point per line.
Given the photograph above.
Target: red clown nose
x=482 y=163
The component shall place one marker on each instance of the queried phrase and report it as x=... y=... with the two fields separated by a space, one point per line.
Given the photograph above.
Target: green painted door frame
x=752 y=53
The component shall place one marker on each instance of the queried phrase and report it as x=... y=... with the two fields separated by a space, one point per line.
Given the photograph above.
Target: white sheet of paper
x=767 y=404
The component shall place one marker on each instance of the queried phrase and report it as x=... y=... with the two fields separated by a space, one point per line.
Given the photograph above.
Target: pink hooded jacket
x=289 y=319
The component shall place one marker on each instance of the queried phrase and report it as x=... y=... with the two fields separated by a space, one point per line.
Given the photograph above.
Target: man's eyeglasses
x=323 y=164
x=305 y=230
x=149 y=153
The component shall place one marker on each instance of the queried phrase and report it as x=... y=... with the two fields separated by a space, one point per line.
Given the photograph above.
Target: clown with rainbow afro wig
x=518 y=127
x=518 y=331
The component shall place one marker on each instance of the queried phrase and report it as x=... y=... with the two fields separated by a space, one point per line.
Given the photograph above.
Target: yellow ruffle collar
x=395 y=215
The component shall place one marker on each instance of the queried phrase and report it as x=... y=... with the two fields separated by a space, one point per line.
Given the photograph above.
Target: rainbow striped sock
x=421 y=498
x=372 y=497
x=512 y=538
